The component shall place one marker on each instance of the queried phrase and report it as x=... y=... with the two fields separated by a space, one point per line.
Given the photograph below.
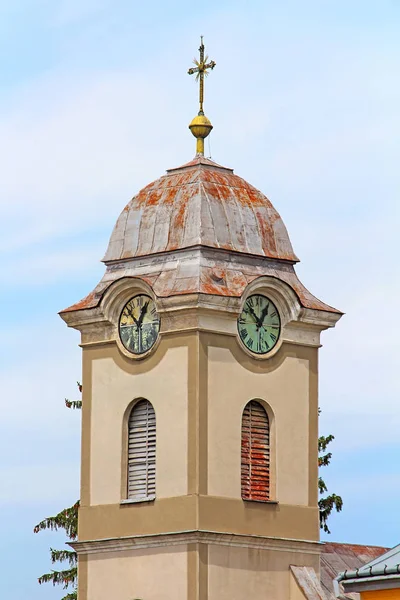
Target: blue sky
x=94 y=104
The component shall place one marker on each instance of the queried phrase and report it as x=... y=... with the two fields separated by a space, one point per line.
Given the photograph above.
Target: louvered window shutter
x=142 y=451
x=255 y=453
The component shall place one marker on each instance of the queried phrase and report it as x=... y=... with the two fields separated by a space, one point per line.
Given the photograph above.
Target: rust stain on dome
x=216 y=280
x=200 y=203
x=200 y=229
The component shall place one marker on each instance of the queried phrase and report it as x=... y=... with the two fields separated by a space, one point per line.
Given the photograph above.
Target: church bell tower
x=200 y=396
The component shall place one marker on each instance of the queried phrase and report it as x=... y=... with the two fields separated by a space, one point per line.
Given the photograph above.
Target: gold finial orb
x=200 y=125
x=200 y=128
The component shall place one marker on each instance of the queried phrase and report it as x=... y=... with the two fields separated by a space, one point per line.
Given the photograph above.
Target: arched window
x=255 y=474
x=142 y=452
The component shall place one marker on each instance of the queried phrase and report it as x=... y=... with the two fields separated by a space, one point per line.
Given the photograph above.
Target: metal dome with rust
x=199 y=204
x=200 y=229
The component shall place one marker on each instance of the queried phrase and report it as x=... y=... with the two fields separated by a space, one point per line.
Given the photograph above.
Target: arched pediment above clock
x=280 y=293
x=119 y=293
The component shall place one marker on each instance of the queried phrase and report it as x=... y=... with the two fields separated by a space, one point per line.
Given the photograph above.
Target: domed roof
x=212 y=233
x=199 y=204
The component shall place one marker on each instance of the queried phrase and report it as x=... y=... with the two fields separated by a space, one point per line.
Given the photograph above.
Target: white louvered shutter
x=142 y=451
x=255 y=475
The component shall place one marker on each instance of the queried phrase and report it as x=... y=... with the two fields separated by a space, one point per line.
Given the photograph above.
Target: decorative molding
x=196 y=315
x=302 y=334
x=179 y=538
x=319 y=318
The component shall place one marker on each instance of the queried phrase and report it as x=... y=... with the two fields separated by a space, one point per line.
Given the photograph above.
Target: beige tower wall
x=148 y=574
x=236 y=573
x=199 y=384
x=113 y=391
x=285 y=393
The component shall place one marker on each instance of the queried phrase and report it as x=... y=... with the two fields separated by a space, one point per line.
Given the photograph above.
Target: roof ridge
x=203 y=162
x=351 y=544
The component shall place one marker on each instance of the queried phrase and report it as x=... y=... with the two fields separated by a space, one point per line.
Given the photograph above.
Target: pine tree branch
x=63 y=556
x=74 y=404
x=322 y=485
x=326 y=506
x=324 y=459
x=323 y=442
x=67 y=519
x=73 y=596
x=64 y=578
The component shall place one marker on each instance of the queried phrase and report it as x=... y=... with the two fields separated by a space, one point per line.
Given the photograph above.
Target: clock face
x=139 y=324
x=259 y=324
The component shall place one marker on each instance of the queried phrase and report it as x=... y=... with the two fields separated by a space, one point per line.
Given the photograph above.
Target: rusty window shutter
x=142 y=451
x=255 y=476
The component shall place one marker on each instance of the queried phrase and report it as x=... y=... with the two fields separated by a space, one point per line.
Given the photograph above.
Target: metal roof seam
x=242 y=223
x=209 y=209
x=258 y=225
x=223 y=203
x=224 y=192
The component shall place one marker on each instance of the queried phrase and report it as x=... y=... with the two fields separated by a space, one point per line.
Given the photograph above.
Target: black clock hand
x=264 y=313
x=130 y=310
x=142 y=314
x=258 y=322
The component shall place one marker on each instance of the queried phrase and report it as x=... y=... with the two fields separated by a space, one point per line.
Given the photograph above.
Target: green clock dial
x=139 y=324
x=259 y=324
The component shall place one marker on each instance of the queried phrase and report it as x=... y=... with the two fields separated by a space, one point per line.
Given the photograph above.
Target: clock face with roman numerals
x=259 y=324
x=139 y=324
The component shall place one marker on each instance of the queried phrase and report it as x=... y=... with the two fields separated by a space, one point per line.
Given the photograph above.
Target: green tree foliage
x=67 y=520
x=326 y=503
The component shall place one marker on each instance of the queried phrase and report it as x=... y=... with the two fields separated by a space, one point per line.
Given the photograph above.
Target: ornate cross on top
x=201 y=69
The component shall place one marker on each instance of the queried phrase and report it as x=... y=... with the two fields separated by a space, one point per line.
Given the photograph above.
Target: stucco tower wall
x=199 y=384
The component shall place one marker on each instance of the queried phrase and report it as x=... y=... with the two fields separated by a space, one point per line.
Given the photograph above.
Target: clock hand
x=264 y=313
x=130 y=310
x=142 y=314
x=257 y=320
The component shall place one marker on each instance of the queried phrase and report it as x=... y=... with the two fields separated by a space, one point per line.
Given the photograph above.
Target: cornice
x=195 y=537
x=199 y=313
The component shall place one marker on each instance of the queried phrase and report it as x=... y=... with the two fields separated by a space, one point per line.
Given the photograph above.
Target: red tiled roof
x=336 y=558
